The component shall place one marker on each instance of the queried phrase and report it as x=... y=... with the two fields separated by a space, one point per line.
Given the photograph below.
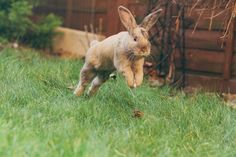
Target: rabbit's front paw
x=132 y=84
x=138 y=81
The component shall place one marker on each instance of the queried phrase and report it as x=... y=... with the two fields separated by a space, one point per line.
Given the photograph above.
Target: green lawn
x=39 y=116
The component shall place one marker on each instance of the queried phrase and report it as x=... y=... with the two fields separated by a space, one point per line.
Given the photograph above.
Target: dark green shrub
x=16 y=25
x=41 y=33
x=14 y=20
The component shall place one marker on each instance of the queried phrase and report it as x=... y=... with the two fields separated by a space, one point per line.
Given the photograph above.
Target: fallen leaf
x=71 y=87
x=230 y=100
x=156 y=81
x=138 y=114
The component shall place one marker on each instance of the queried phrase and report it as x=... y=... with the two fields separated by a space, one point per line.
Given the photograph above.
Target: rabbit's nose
x=144 y=48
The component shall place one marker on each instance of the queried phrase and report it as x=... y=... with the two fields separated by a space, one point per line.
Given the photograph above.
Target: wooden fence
x=102 y=14
x=210 y=61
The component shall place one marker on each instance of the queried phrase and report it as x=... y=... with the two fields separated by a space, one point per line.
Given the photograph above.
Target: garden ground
x=39 y=115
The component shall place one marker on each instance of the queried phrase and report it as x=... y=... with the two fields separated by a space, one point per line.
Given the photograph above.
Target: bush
x=14 y=20
x=41 y=34
x=16 y=25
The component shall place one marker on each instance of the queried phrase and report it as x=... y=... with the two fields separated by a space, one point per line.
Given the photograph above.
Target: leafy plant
x=14 y=20
x=16 y=25
x=41 y=34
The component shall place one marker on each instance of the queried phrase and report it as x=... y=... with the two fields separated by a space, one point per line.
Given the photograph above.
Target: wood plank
x=80 y=10
x=206 y=40
x=69 y=6
x=204 y=22
x=210 y=83
x=81 y=19
x=139 y=10
x=229 y=52
x=234 y=66
x=87 y=4
x=113 y=23
x=45 y=10
x=201 y=60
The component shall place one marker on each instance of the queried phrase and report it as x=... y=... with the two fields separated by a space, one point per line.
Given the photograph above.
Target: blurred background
x=101 y=14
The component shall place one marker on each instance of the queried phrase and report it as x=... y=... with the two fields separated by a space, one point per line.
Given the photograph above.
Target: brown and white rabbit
x=123 y=52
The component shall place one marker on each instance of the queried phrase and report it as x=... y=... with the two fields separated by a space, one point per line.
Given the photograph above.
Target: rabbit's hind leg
x=87 y=74
x=98 y=81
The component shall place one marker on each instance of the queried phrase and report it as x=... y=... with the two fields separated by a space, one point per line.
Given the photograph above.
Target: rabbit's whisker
x=131 y=56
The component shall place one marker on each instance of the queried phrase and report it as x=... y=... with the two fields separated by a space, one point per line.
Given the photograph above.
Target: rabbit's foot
x=79 y=91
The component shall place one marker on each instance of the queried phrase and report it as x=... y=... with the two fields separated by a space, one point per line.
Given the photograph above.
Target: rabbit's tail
x=92 y=43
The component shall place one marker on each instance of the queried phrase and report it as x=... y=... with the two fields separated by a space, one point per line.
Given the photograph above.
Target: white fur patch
x=92 y=43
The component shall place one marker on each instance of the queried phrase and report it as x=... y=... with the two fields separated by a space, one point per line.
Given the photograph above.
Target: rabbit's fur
x=123 y=52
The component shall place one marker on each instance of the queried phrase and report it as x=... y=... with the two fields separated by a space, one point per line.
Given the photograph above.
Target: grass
x=39 y=116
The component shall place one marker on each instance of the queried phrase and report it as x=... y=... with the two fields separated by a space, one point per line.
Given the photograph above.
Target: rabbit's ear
x=150 y=20
x=127 y=18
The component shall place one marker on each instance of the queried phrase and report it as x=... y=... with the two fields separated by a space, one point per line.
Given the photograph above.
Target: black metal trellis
x=172 y=40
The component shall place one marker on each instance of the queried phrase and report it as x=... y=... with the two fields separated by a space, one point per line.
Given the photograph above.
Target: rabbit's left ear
x=127 y=18
x=150 y=20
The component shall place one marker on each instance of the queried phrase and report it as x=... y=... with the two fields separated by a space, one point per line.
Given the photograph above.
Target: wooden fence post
x=113 y=21
x=229 y=52
x=69 y=8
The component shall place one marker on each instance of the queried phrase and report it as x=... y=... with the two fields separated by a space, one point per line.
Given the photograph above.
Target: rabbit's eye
x=135 y=38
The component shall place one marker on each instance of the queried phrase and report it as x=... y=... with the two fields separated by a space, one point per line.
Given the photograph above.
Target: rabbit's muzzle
x=143 y=51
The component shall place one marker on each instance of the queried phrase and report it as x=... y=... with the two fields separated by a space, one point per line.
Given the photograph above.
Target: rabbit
x=123 y=52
